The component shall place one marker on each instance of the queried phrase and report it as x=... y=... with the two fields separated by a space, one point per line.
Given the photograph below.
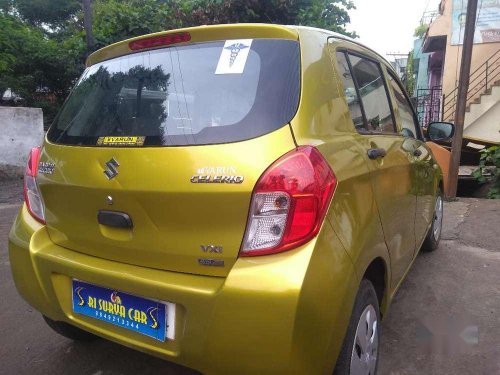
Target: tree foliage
x=332 y=15
x=410 y=75
x=42 y=44
x=489 y=170
x=33 y=65
x=116 y=20
x=38 y=12
x=420 y=30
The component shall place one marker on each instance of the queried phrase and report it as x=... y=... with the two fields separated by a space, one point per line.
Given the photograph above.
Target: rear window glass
x=184 y=95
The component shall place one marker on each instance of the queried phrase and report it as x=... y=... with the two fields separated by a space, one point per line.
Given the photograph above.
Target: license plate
x=142 y=315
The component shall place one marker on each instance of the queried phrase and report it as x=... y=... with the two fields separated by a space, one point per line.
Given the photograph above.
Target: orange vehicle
x=443 y=156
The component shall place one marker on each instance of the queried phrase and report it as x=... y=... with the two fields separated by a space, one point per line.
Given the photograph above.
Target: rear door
x=155 y=154
x=422 y=162
x=387 y=157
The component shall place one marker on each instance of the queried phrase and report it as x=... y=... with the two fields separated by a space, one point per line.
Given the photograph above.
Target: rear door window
x=409 y=123
x=181 y=96
x=350 y=92
x=374 y=96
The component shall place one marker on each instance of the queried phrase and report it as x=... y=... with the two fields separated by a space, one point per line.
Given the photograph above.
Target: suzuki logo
x=111 y=170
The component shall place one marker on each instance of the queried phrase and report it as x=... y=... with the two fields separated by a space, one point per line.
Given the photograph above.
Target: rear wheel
x=359 y=354
x=433 y=236
x=69 y=331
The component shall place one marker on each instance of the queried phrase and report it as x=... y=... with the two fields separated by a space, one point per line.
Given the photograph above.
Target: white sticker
x=234 y=56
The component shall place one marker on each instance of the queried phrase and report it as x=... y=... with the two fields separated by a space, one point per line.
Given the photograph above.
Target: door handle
x=374 y=153
x=114 y=219
x=417 y=152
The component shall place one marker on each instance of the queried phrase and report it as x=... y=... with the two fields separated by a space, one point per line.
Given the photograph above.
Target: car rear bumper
x=285 y=313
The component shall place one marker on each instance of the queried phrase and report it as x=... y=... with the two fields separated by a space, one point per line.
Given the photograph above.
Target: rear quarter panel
x=323 y=119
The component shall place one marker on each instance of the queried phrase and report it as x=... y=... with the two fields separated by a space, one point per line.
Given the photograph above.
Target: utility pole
x=463 y=88
x=87 y=24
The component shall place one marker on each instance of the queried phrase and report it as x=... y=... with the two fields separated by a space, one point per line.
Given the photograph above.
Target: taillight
x=159 y=40
x=289 y=203
x=32 y=195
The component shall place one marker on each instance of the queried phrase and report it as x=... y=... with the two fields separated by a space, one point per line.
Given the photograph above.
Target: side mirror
x=440 y=131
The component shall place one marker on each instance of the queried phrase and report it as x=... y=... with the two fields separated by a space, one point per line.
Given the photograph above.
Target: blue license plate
x=136 y=314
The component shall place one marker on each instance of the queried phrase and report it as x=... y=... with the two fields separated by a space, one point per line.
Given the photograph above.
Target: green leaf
x=476 y=173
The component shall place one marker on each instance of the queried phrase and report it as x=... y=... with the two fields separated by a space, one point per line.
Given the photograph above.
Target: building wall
x=422 y=78
x=453 y=54
x=483 y=119
x=20 y=130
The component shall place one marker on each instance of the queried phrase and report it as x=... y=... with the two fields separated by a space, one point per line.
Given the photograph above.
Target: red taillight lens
x=32 y=195
x=158 y=41
x=289 y=203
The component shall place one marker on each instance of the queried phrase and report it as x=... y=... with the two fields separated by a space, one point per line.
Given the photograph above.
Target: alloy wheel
x=438 y=218
x=364 y=353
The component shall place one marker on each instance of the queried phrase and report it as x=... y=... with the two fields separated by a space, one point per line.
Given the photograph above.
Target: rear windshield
x=216 y=92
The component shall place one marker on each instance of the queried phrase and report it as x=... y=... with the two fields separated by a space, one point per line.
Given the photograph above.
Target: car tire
x=360 y=351
x=69 y=331
x=433 y=236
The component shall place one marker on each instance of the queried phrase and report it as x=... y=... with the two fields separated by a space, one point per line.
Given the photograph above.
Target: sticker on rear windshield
x=234 y=56
x=120 y=141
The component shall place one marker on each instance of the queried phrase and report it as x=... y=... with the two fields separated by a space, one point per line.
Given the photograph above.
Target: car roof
x=342 y=37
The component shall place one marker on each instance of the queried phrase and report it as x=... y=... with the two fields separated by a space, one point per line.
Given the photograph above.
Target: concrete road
x=445 y=319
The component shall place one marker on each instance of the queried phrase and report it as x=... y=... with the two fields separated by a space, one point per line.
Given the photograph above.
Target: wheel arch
x=441 y=184
x=377 y=273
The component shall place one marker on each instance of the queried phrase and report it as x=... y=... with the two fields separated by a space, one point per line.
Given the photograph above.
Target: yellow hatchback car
x=238 y=199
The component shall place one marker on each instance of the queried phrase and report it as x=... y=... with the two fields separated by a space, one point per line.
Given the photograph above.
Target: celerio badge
x=217 y=175
x=111 y=171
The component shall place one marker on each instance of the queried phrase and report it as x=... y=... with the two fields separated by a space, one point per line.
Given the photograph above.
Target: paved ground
x=444 y=320
x=11 y=191
x=445 y=317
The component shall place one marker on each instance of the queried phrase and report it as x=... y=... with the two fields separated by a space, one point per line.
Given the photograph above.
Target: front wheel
x=433 y=236
x=359 y=354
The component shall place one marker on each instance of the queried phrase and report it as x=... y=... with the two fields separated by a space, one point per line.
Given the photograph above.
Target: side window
x=408 y=124
x=373 y=92
x=350 y=93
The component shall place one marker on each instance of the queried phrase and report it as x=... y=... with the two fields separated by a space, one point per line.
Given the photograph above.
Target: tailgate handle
x=375 y=153
x=114 y=219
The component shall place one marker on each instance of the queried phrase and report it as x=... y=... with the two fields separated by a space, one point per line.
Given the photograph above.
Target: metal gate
x=429 y=104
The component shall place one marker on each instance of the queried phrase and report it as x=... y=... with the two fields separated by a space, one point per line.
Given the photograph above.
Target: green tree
x=489 y=170
x=42 y=44
x=38 y=12
x=420 y=31
x=116 y=20
x=410 y=76
x=328 y=14
x=33 y=65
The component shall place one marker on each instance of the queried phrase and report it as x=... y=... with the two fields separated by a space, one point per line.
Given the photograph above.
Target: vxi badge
x=216 y=175
x=211 y=249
